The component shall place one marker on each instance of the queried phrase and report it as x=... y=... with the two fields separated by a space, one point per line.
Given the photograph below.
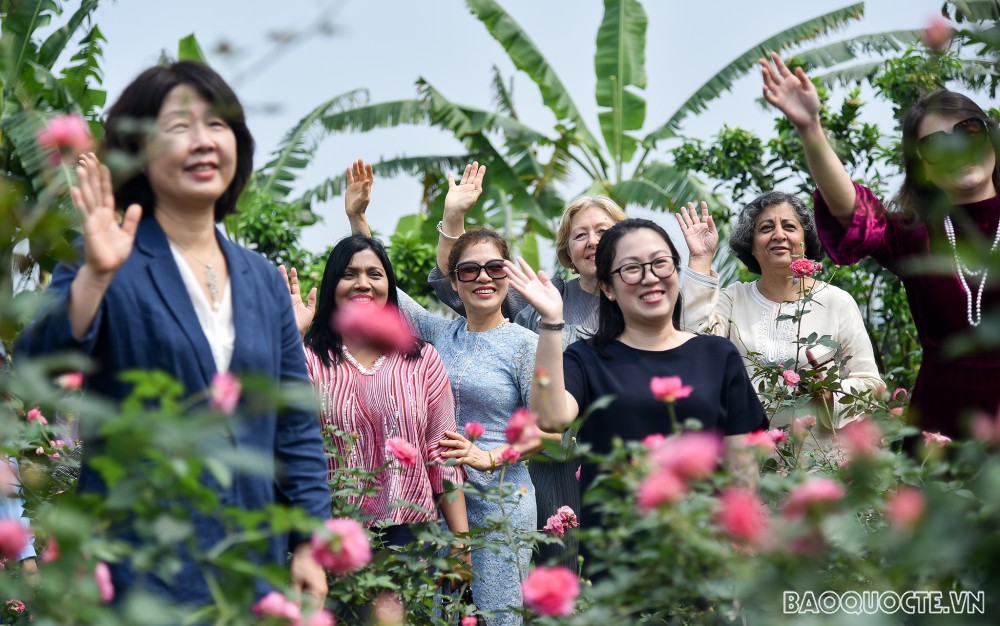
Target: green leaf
x=382 y=115
x=620 y=63
x=723 y=79
x=300 y=144
x=849 y=49
x=55 y=44
x=189 y=50
x=18 y=23
x=526 y=57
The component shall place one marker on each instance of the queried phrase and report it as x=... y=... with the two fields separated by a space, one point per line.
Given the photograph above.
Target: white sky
x=385 y=45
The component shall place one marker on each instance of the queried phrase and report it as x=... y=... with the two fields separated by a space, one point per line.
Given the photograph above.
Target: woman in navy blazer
x=163 y=289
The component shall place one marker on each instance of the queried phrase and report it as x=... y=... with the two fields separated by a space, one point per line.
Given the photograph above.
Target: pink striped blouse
x=397 y=397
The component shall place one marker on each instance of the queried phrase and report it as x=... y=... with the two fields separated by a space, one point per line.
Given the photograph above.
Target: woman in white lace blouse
x=772 y=231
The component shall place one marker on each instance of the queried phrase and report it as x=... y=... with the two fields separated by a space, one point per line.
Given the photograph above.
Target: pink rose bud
x=653 y=441
x=578 y=468
x=276 y=605
x=801 y=426
x=51 y=551
x=66 y=136
x=761 y=441
x=938 y=33
x=935 y=440
x=669 y=388
x=900 y=394
x=905 y=508
x=321 y=617
x=510 y=455
x=791 y=378
x=659 y=488
x=381 y=328
x=812 y=495
x=861 y=438
x=404 y=451
x=689 y=455
x=225 y=392
x=341 y=546
x=551 y=591
x=71 y=381
x=777 y=435
x=474 y=430
x=39 y=450
x=102 y=576
x=470 y=620
x=35 y=415
x=522 y=428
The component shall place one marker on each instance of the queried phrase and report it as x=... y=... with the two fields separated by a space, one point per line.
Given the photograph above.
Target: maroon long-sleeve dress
x=948 y=389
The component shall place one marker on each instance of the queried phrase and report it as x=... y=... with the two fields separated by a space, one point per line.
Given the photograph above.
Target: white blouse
x=764 y=331
x=217 y=324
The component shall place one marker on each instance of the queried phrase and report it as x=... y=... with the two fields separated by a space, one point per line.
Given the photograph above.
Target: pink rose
x=522 y=427
x=812 y=495
x=938 y=33
x=341 y=546
x=801 y=268
x=899 y=395
x=510 y=455
x=16 y=606
x=862 y=438
x=551 y=591
x=225 y=392
x=791 y=378
x=71 y=381
x=659 y=488
x=35 y=415
x=689 y=455
x=653 y=441
x=554 y=526
x=13 y=538
x=935 y=440
x=66 y=135
x=470 y=620
x=321 y=617
x=761 y=440
x=777 y=435
x=382 y=328
x=404 y=451
x=896 y=411
x=669 y=388
x=742 y=515
x=568 y=517
x=802 y=425
x=905 y=508
x=474 y=430
x=102 y=576
x=986 y=428
x=276 y=605
x=40 y=450
x=51 y=551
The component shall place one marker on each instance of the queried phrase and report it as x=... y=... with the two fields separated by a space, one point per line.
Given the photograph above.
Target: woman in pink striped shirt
x=379 y=396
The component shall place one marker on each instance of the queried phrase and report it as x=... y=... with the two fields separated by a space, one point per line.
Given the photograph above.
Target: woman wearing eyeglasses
x=638 y=337
x=490 y=363
x=771 y=232
x=948 y=207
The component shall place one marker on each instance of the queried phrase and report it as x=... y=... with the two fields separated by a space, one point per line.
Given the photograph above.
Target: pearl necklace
x=962 y=270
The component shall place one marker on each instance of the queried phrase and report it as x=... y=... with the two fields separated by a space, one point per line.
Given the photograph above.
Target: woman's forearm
x=548 y=391
x=85 y=297
x=828 y=172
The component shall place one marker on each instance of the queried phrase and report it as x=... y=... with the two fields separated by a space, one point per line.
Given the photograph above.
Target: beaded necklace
x=962 y=270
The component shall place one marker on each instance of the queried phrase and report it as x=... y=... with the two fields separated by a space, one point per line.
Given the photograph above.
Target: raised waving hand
x=537 y=289
x=107 y=240
x=304 y=311
x=791 y=93
x=358 y=195
x=700 y=234
x=462 y=196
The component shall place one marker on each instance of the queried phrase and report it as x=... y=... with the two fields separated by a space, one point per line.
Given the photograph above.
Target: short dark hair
x=741 y=241
x=470 y=238
x=611 y=322
x=918 y=196
x=126 y=129
x=321 y=337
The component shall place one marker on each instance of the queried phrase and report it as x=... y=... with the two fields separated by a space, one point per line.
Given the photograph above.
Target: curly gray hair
x=741 y=241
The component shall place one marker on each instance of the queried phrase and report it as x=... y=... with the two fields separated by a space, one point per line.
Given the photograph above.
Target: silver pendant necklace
x=962 y=271
x=211 y=279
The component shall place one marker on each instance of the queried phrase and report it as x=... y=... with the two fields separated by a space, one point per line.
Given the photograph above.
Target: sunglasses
x=470 y=270
x=969 y=135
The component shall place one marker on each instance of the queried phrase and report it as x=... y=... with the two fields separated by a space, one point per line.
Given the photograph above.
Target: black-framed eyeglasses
x=967 y=136
x=633 y=273
x=470 y=270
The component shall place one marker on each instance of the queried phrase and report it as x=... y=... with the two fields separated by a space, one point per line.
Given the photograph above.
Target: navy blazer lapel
x=246 y=305
x=166 y=278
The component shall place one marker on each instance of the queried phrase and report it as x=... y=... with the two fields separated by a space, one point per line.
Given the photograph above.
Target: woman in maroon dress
x=948 y=207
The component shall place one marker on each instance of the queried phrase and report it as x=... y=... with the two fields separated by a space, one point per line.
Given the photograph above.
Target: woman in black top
x=638 y=337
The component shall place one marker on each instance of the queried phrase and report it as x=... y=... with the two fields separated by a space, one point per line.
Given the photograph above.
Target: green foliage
x=412 y=259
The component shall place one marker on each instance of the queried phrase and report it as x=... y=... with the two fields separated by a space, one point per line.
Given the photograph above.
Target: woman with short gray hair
x=773 y=231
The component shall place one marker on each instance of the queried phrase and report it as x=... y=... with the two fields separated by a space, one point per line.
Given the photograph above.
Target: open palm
x=791 y=93
x=304 y=311
x=107 y=240
x=700 y=233
x=358 y=194
x=463 y=196
x=537 y=289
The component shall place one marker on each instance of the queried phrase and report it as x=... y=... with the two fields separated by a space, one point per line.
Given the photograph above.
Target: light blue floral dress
x=490 y=374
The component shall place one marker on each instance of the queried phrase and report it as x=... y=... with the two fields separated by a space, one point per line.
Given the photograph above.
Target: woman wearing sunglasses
x=947 y=204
